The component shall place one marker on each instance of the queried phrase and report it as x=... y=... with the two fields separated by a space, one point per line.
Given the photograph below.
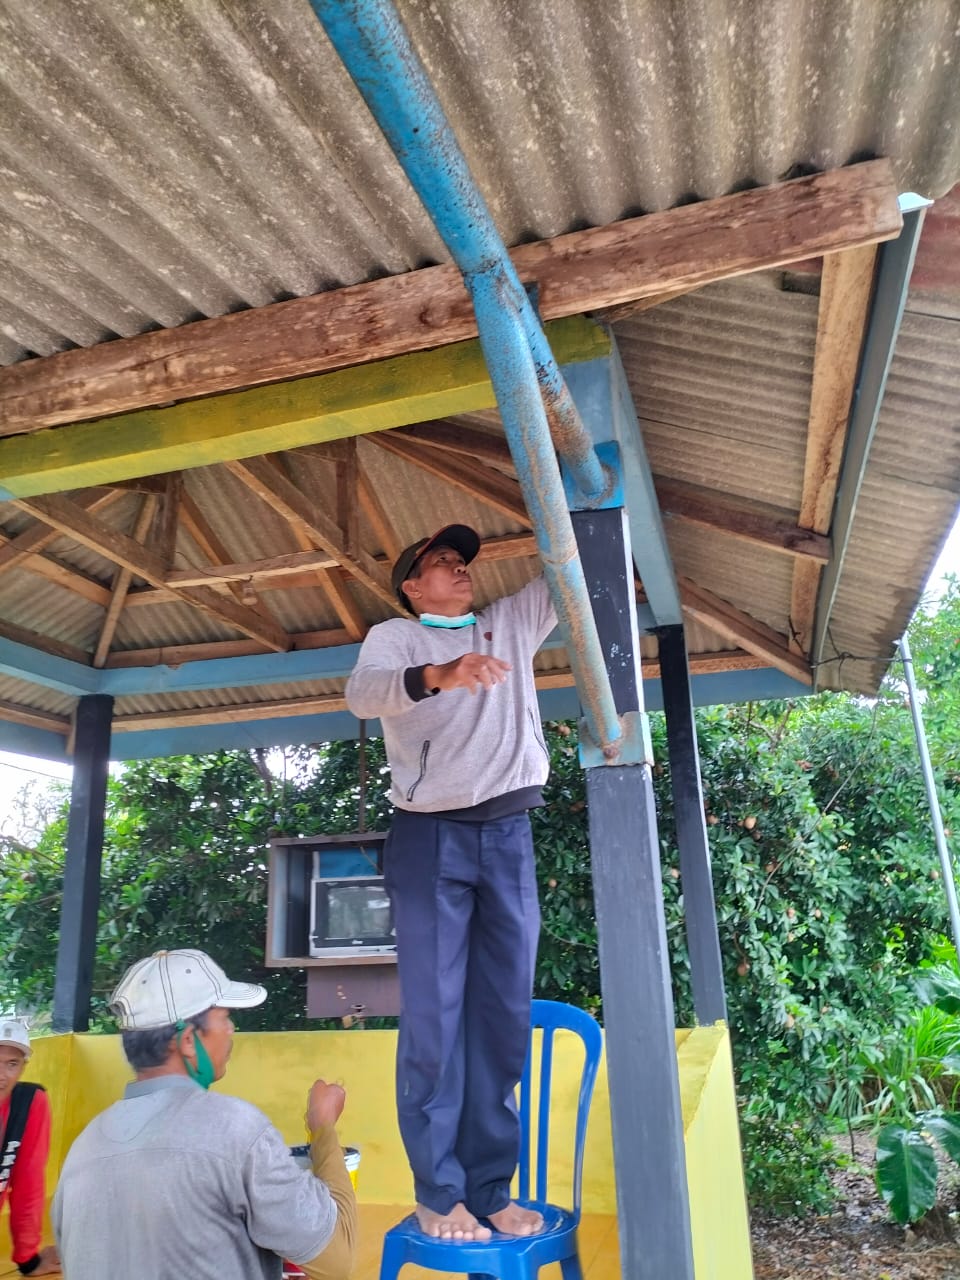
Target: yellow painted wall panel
x=85 y=1074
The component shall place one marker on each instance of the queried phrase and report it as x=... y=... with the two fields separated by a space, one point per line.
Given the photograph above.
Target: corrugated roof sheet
x=161 y=162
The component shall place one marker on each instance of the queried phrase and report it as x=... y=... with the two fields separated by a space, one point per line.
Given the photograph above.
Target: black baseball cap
x=458 y=536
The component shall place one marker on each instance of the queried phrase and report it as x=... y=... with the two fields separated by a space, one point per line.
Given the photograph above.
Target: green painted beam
x=287 y=415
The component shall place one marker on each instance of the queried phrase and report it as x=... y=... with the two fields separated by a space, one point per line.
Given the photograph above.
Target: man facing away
x=455 y=694
x=24 y=1148
x=175 y=1181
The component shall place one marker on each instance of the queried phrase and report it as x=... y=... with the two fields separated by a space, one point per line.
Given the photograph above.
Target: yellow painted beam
x=288 y=415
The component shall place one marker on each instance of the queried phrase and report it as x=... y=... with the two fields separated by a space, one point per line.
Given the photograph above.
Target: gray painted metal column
x=699 y=908
x=76 y=949
x=650 y=1164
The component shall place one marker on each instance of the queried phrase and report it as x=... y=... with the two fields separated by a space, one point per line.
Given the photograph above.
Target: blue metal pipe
x=375 y=48
x=512 y=373
x=373 y=45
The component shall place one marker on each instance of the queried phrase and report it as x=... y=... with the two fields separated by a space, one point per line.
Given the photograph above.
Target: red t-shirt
x=25 y=1190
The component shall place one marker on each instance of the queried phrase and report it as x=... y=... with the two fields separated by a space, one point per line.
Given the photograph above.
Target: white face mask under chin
x=447 y=624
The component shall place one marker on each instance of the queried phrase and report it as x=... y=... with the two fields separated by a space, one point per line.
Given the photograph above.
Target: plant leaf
x=945 y=1127
x=906 y=1172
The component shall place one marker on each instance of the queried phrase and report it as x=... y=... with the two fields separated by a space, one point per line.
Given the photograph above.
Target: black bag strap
x=20 y=1101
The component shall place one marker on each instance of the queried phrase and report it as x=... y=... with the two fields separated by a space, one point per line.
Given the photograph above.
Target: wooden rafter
x=377 y=517
x=298 y=569
x=457 y=437
x=168 y=517
x=587 y=270
x=199 y=529
x=270 y=710
x=754 y=522
x=334 y=588
x=483 y=483
x=34 y=719
x=846 y=285
x=176 y=654
x=27 y=551
x=51 y=567
x=45 y=644
x=745 y=631
x=121 y=582
x=32 y=540
x=71 y=519
x=268 y=482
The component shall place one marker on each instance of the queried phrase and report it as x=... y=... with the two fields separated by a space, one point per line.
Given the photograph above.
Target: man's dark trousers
x=465 y=906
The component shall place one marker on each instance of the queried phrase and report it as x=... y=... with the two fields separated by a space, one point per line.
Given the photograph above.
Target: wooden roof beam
x=71 y=519
x=846 y=289
x=745 y=631
x=754 y=522
x=600 y=267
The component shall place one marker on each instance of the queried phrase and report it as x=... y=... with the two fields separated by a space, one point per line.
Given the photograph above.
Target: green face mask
x=203 y=1073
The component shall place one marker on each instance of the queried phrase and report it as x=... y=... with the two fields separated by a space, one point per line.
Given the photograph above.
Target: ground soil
x=858 y=1241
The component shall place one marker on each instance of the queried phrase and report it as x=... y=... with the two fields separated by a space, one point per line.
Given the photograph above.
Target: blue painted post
x=653 y=1209
x=76 y=949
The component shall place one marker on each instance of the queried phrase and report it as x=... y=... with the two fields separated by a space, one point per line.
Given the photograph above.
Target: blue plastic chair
x=519 y=1257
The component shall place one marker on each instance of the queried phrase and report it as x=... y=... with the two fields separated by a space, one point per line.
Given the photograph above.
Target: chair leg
x=570 y=1268
x=392 y=1258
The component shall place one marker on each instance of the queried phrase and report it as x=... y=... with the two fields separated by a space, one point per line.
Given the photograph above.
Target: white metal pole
x=933 y=799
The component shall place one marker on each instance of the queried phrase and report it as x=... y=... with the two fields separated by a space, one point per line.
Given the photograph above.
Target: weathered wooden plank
x=745 y=631
x=583 y=271
x=270 y=419
x=846 y=287
x=753 y=522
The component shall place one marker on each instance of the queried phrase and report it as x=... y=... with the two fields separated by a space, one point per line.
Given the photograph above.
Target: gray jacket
x=458 y=749
x=174 y=1181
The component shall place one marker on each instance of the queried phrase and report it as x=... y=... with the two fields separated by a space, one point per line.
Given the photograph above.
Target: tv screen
x=351 y=914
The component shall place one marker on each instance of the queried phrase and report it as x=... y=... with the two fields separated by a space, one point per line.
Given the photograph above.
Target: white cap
x=171 y=986
x=14 y=1033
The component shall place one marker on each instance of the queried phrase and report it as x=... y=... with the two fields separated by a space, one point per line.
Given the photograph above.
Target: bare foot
x=458 y=1224
x=515 y=1221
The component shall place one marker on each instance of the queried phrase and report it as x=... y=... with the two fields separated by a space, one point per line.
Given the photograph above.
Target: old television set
x=350 y=916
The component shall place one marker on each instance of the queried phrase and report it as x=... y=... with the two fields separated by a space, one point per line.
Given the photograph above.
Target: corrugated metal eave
x=167 y=162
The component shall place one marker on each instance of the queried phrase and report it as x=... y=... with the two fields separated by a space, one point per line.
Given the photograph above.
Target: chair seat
x=500 y=1255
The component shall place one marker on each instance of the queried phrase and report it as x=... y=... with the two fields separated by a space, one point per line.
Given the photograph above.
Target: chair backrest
x=551 y=1017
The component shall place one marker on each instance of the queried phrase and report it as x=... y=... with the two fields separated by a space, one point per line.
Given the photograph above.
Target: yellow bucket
x=351 y=1158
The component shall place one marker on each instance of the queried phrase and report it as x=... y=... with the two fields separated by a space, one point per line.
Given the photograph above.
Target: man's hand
x=49 y=1264
x=467 y=672
x=324 y=1105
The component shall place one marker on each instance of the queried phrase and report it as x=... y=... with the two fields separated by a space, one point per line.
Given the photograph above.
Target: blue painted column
x=652 y=1199
x=77 y=946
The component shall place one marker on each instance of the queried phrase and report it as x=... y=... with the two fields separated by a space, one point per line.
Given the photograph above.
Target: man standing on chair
x=455 y=693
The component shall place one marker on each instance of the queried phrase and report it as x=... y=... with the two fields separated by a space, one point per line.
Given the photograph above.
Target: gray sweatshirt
x=174 y=1181
x=458 y=749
